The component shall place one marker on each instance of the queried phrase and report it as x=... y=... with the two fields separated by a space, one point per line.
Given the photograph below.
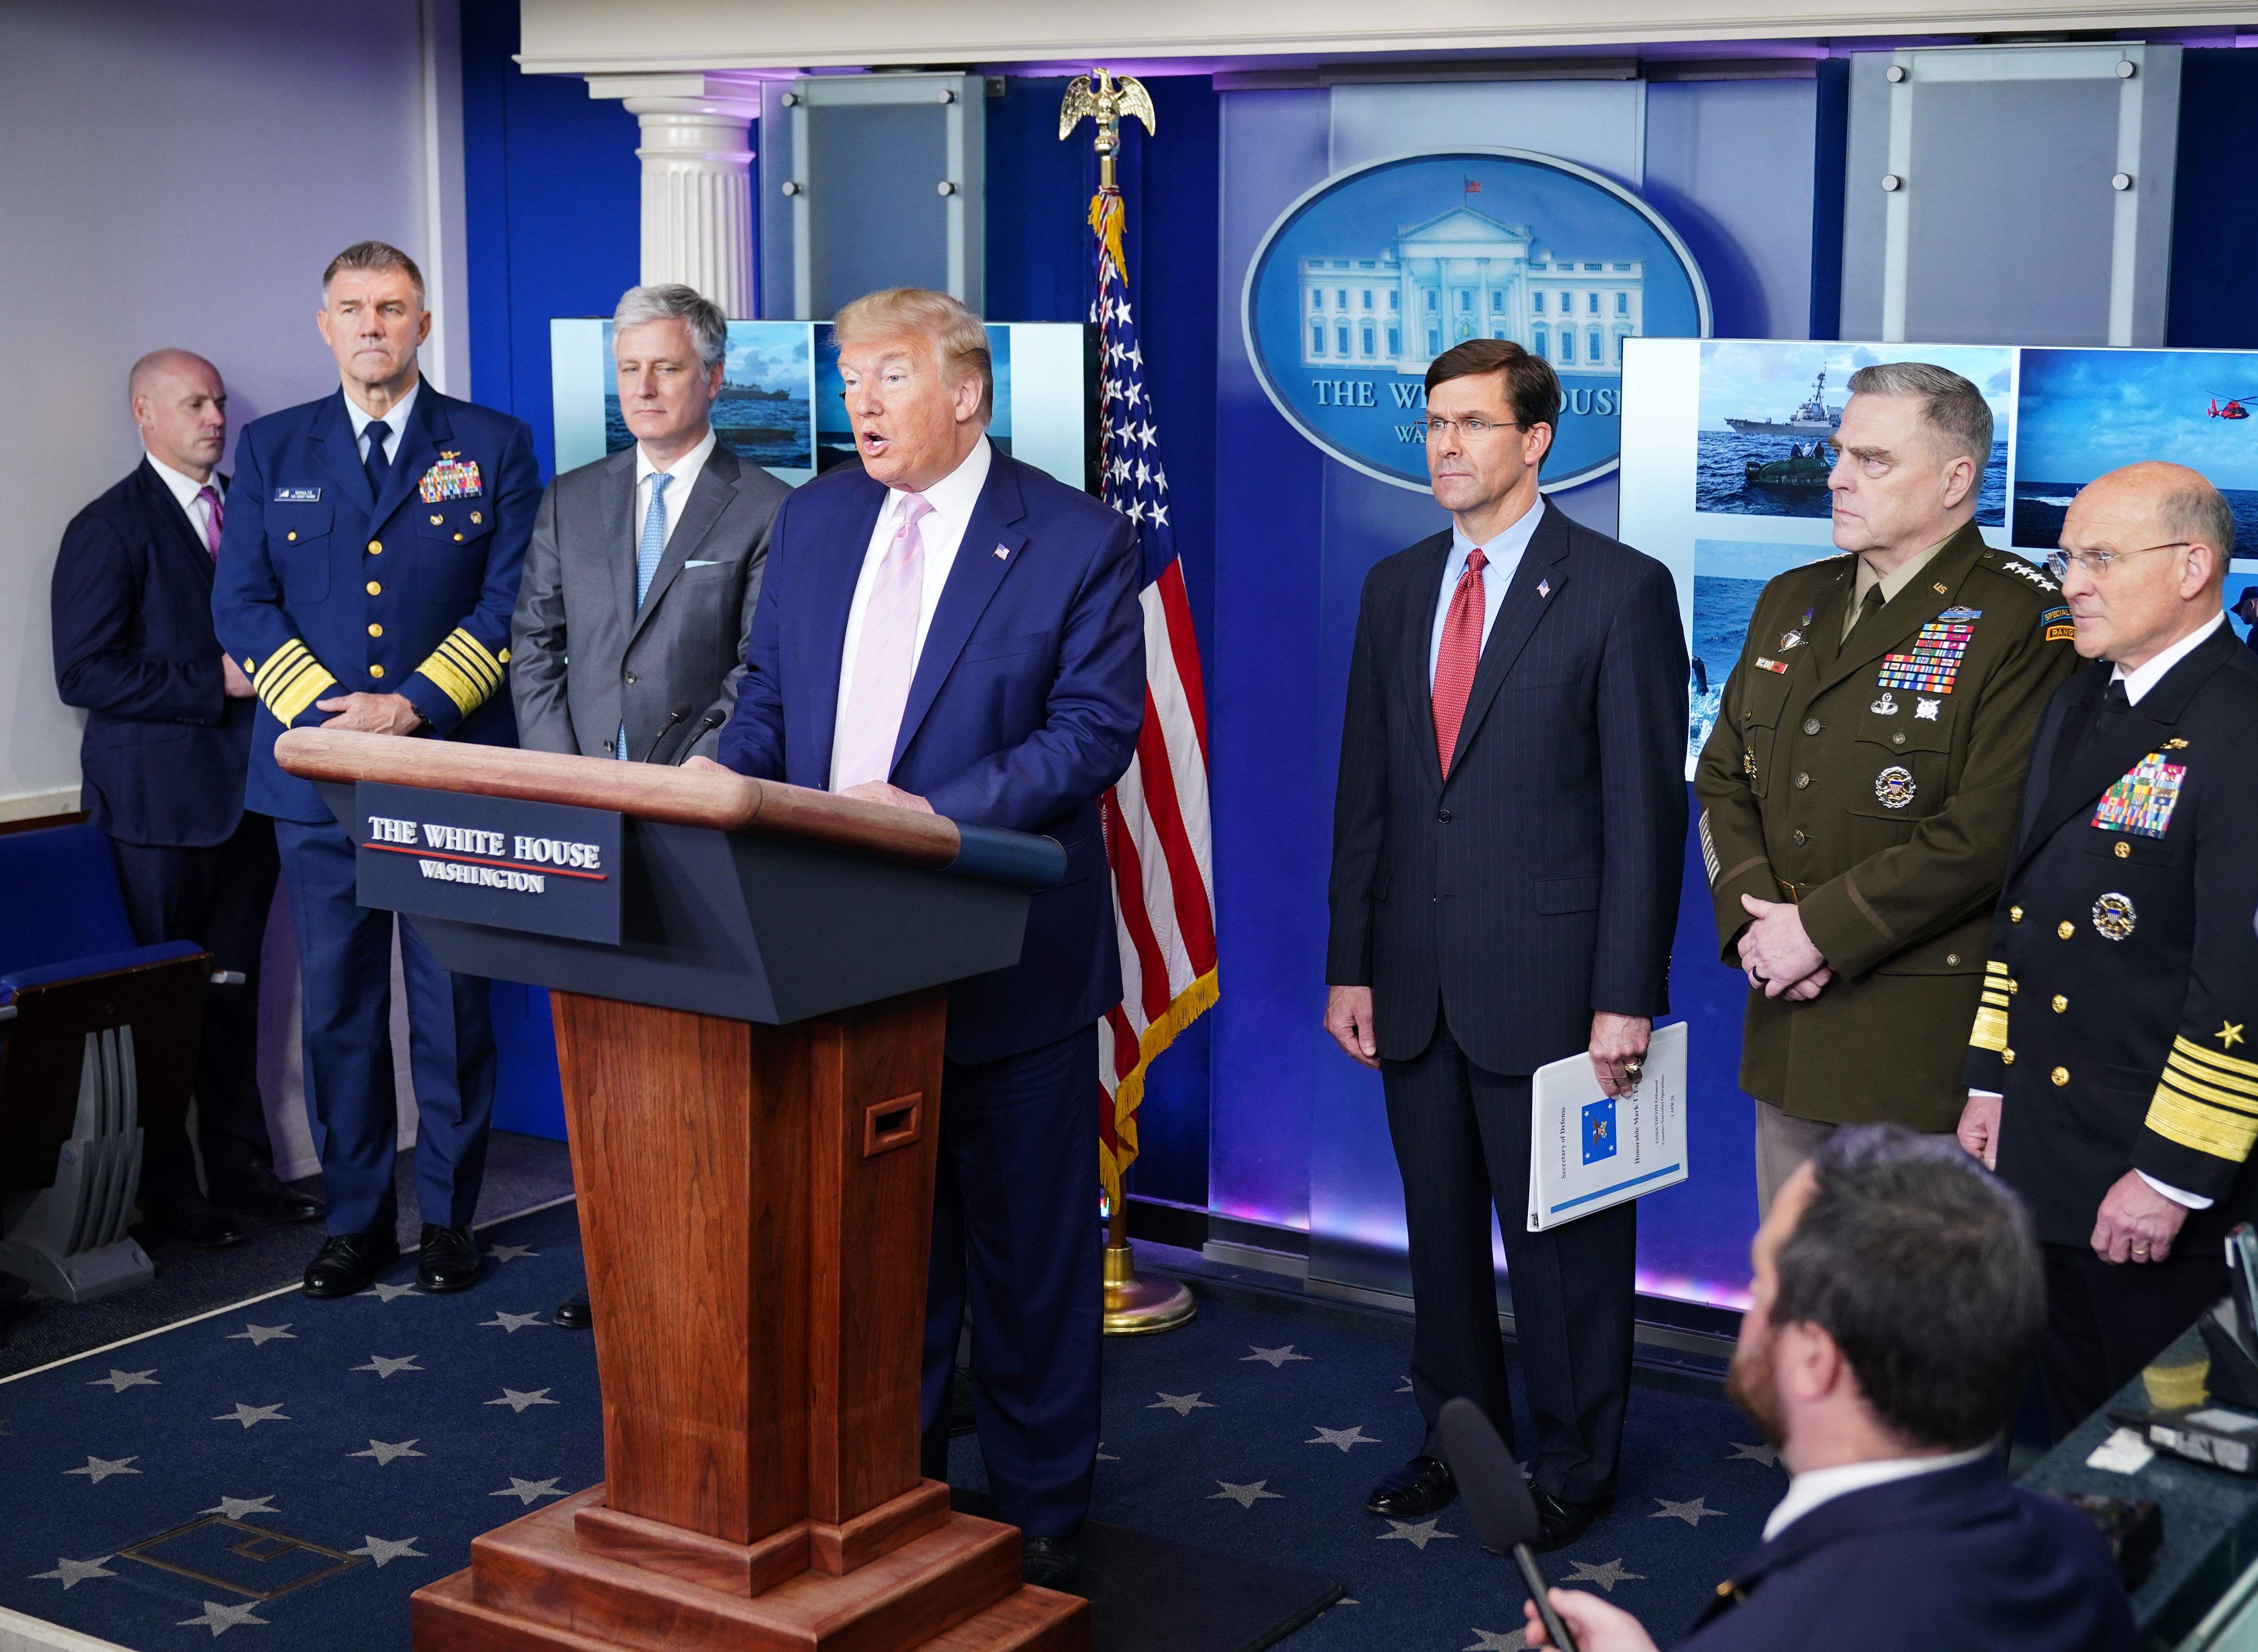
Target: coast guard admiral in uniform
x=370 y=559
x=2120 y=999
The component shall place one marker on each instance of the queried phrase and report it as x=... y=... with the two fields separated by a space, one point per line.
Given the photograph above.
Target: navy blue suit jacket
x=1539 y=883
x=1025 y=706
x=1957 y=1558
x=162 y=759
x=323 y=589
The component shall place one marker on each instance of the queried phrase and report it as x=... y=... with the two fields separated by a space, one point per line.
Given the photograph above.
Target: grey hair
x=2200 y=515
x=1951 y=406
x=709 y=328
x=374 y=255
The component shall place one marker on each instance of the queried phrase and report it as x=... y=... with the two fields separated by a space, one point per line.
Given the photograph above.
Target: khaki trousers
x=1782 y=1143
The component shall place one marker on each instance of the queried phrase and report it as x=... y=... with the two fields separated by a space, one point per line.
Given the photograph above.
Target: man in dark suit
x=2109 y=1074
x=945 y=629
x=1508 y=840
x=636 y=606
x=161 y=764
x=1897 y=1297
x=365 y=580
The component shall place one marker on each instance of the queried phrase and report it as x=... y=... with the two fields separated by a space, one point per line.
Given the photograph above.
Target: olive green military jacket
x=1874 y=782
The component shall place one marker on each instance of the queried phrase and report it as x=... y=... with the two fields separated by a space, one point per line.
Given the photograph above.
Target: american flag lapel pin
x=1545 y=587
x=1002 y=552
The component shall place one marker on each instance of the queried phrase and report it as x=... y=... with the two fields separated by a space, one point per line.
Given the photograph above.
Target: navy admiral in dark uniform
x=374 y=540
x=2112 y=1074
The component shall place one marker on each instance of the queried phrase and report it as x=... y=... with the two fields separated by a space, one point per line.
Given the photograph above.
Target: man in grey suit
x=637 y=601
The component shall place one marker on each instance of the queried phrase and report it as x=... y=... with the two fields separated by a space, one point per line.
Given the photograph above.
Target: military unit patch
x=2142 y=800
x=1894 y=786
x=2060 y=627
x=451 y=479
x=2113 y=917
x=1934 y=662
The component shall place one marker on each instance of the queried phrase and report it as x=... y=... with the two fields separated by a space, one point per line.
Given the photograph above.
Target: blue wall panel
x=2214 y=292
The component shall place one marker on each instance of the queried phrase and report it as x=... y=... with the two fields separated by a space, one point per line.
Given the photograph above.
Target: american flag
x=1157 y=834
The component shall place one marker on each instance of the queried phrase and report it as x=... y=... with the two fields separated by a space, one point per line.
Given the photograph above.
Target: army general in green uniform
x=1859 y=789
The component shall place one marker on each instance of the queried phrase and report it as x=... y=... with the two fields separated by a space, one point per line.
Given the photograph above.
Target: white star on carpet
x=99 y=1469
x=517 y=1401
x=259 y=1335
x=528 y=1490
x=1274 y=1358
x=251 y=1416
x=119 y=1381
x=219 y=1618
x=1491 y=1640
x=237 y=1507
x=1767 y=1455
x=384 y=1552
x=1406 y=1388
x=1245 y=1496
x=1104 y=1456
x=514 y=1323
x=384 y=1453
x=1417 y=1533
x=1607 y=1574
x=384 y=1367
x=1693 y=1512
x=1183 y=1404
x=385 y=1292
x=510 y=1252
x=1342 y=1438
x=74 y=1573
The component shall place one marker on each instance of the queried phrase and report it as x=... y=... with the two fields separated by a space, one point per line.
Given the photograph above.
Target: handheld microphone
x=712 y=720
x=1497 y=1498
x=673 y=717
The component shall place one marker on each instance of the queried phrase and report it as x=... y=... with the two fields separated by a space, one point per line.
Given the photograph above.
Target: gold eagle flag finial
x=1106 y=102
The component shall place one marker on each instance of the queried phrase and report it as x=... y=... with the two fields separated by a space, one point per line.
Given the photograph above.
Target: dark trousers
x=344 y=952
x=1461 y=1139
x=1016 y=1238
x=2104 y=1322
x=218 y=896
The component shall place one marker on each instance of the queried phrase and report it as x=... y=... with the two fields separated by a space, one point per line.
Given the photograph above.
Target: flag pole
x=1133 y=1307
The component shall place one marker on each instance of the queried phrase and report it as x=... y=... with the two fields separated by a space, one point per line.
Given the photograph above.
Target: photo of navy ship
x=1768 y=411
x=764 y=412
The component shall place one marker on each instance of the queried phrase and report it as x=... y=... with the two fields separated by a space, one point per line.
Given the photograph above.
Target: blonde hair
x=958 y=339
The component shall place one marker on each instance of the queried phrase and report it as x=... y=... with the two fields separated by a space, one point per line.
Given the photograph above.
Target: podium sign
x=548 y=868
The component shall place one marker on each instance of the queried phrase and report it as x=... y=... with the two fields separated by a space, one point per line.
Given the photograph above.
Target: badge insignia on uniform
x=2022 y=570
x=2060 y=627
x=2176 y=744
x=1934 y=664
x=1894 y=786
x=2142 y=800
x=1926 y=711
x=1749 y=764
x=297 y=496
x=2229 y=1034
x=1790 y=640
x=451 y=479
x=1886 y=707
x=1961 y=612
x=1762 y=664
x=2113 y=917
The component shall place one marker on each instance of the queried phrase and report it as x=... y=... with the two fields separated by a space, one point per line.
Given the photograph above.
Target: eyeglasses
x=1473 y=429
x=2096 y=564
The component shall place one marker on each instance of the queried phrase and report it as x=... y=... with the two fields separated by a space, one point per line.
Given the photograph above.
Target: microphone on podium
x=712 y=720
x=673 y=717
x=1497 y=1498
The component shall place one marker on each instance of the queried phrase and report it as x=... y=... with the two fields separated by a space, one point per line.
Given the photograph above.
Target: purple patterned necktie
x=215 y=518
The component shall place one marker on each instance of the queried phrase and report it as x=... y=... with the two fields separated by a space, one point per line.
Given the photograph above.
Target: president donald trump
x=945 y=629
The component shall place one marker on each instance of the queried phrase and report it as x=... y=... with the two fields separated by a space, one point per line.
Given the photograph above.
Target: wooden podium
x=751 y=1076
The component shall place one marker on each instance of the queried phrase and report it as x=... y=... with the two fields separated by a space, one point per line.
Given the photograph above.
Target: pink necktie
x=214 y=518
x=886 y=656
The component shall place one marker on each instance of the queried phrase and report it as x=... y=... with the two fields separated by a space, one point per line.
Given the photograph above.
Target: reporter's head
x=1898 y=1297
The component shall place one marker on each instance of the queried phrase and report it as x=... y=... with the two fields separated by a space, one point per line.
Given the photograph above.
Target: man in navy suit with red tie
x=945 y=629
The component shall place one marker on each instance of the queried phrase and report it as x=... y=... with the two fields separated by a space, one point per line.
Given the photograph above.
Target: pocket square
x=709 y=563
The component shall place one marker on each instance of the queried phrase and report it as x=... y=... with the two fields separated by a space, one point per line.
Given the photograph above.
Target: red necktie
x=1455 y=661
x=213 y=522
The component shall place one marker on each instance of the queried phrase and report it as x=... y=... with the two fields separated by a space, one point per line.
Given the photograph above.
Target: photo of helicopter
x=2233 y=409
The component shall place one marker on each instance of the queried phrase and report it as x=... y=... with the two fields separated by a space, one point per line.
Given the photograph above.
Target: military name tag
x=451 y=479
x=2142 y=800
x=297 y=496
x=1933 y=664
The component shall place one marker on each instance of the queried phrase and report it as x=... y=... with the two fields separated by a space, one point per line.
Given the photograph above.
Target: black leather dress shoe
x=1421 y=1488
x=258 y=1193
x=1560 y=1521
x=192 y=1221
x=448 y=1259
x=1048 y=1562
x=349 y=1262
x=574 y=1314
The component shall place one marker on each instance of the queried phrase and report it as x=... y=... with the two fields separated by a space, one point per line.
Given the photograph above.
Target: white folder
x=1588 y=1149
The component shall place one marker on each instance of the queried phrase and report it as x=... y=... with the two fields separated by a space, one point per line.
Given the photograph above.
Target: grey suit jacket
x=583 y=660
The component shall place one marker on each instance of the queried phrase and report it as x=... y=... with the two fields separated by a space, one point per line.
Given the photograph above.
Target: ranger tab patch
x=2142 y=799
x=2059 y=625
x=451 y=479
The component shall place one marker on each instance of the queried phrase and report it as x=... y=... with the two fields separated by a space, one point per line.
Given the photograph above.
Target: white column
x=697 y=181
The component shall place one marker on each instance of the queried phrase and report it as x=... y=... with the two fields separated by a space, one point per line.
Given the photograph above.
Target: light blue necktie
x=648 y=551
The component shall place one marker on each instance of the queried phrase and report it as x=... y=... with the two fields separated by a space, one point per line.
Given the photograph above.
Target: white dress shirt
x=2137 y=683
x=395 y=421
x=684 y=471
x=952 y=499
x=1502 y=555
x=186 y=489
x=1808 y=1490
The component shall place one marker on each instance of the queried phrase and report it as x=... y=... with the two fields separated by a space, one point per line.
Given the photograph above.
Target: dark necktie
x=2115 y=704
x=1869 y=606
x=379 y=467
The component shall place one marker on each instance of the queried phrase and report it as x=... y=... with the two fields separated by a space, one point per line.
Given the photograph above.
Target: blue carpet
x=292 y=1490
